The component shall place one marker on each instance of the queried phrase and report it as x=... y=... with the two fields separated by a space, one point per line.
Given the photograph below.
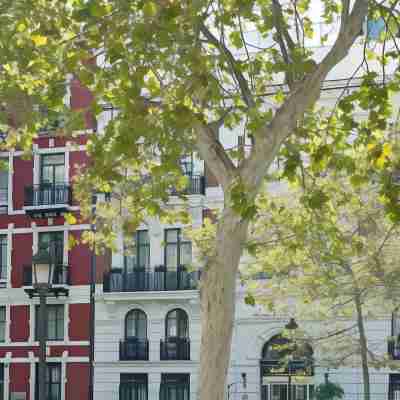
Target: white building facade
x=148 y=330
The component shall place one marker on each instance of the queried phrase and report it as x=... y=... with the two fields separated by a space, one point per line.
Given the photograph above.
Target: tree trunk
x=217 y=296
x=363 y=347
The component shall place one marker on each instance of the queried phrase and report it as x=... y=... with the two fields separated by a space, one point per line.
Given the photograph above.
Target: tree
x=329 y=391
x=176 y=71
x=329 y=247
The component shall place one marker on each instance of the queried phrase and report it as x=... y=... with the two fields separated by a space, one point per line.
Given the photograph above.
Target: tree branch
x=302 y=98
x=242 y=82
x=214 y=154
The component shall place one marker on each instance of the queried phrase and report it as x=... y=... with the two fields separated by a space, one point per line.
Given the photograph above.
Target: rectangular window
x=55 y=322
x=53 y=381
x=1 y=381
x=52 y=169
x=3 y=322
x=175 y=387
x=53 y=242
x=3 y=187
x=394 y=386
x=178 y=251
x=3 y=257
x=140 y=259
x=133 y=387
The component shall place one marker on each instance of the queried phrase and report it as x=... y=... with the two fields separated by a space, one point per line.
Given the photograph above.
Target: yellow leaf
x=387 y=150
x=371 y=146
x=70 y=219
x=380 y=162
x=39 y=40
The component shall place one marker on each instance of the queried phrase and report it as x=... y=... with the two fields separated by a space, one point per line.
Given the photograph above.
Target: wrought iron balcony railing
x=134 y=349
x=60 y=275
x=175 y=348
x=196 y=185
x=48 y=194
x=141 y=280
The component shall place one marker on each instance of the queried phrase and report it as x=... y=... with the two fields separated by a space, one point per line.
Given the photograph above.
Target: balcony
x=133 y=349
x=60 y=276
x=142 y=280
x=196 y=185
x=394 y=349
x=175 y=348
x=47 y=200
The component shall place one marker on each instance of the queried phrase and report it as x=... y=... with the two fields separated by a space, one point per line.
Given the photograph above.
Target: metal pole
x=92 y=303
x=42 y=343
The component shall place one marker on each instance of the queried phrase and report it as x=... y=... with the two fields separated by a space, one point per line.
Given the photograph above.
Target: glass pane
x=171 y=255
x=141 y=328
x=51 y=330
x=55 y=374
x=3 y=257
x=59 y=174
x=2 y=332
x=172 y=324
x=171 y=235
x=55 y=392
x=186 y=253
x=143 y=237
x=278 y=392
x=53 y=159
x=144 y=256
x=47 y=174
x=3 y=186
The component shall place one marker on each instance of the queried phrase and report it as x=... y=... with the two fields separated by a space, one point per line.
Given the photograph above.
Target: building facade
x=35 y=193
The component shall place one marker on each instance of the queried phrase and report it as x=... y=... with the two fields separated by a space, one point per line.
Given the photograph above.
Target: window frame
x=179 y=243
x=49 y=383
x=175 y=380
x=182 y=321
x=53 y=181
x=140 y=246
x=136 y=312
x=7 y=173
x=54 y=237
x=60 y=311
x=137 y=381
x=3 y=248
x=3 y=322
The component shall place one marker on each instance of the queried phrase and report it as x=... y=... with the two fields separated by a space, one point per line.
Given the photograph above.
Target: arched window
x=136 y=325
x=286 y=359
x=176 y=324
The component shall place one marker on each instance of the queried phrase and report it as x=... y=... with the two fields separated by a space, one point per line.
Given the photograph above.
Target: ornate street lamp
x=43 y=266
x=290 y=326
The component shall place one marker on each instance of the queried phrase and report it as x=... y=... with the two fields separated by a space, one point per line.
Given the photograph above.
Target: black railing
x=134 y=349
x=47 y=194
x=294 y=367
x=175 y=348
x=143 y=280
x=394 y=349
x=196 y=185
x=60 y=275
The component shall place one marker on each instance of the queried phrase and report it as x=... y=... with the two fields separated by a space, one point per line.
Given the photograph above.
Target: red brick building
x=34 y=195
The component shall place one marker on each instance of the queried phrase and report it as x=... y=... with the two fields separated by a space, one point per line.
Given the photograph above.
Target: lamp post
x=290 y=326
x=43 y=266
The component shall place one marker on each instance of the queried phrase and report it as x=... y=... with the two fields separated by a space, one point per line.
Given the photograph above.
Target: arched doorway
x=286 y=370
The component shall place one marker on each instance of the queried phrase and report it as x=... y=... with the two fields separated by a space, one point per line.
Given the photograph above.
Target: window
x=275 y=363
x=178 y=251
x=55 y=322
x=3 y=321
x=175 y=387
x=394 y=386
x=53 y=381
x=141 y=257
x=176 y=324
x=52 y=169
x=3 y=257
x=1 y=381
x=136 y=325
x=133 y=387
x=53 y=242
x=3 y=190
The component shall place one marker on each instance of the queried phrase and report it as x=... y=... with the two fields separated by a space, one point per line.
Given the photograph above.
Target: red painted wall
x=79 y=260
x=19 y=328
x=80 y=100
x=79 y=326
x=77 y=387
x=23 y=176
x=21 y=256
x=19 y=378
